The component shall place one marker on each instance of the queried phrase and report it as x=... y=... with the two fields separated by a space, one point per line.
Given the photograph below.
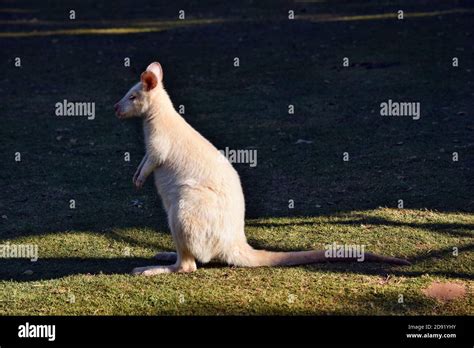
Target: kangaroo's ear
x=156 y=69
x=149 y=80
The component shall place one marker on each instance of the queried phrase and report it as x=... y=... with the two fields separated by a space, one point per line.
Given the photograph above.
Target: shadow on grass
x=58 y=267
x=384 y=270
x=378 y=304
x=385 y=303
x=103 y=225
x=453 y=229
x=53 y=268
x=441 y=253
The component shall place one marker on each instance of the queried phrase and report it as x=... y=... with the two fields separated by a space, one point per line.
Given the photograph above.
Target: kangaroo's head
x=137 y=100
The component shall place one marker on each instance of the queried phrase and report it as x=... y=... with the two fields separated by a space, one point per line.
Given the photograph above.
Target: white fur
x=201 y=193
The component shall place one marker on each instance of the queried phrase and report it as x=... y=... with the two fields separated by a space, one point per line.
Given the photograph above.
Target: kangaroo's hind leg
x=185 y=263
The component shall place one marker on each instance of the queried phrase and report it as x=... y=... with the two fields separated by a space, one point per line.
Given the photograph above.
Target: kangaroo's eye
x=131 y=97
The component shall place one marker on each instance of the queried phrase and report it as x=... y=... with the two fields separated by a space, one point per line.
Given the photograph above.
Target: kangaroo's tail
x=249 y=257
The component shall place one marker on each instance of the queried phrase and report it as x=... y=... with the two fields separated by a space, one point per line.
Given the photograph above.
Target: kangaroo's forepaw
x=139 y=183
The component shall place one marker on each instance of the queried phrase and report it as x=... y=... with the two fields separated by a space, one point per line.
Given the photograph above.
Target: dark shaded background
x=282 y=62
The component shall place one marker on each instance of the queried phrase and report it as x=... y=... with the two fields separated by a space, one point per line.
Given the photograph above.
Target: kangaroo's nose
x=116 y=107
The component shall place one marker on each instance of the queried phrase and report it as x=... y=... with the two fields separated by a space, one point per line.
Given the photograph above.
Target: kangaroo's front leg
x=148 y=166
x=139 y=168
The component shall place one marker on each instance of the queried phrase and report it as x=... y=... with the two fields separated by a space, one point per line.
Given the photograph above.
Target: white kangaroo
x=199 y=188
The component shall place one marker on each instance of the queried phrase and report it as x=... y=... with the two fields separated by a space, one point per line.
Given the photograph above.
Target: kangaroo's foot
x=181 y=266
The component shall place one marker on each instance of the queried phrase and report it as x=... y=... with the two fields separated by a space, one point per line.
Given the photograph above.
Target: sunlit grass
x=135 y=28
x=379 y=16
x=214 y=289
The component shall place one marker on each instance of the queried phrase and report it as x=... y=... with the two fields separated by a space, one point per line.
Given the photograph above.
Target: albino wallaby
x=199 y=188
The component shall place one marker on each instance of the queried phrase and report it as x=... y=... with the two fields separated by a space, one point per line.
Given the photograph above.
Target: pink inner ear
x=149 y=80
x=155 y=68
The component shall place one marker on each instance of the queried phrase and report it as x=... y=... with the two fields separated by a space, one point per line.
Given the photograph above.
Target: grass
x=82 y=272
x=86 y=253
